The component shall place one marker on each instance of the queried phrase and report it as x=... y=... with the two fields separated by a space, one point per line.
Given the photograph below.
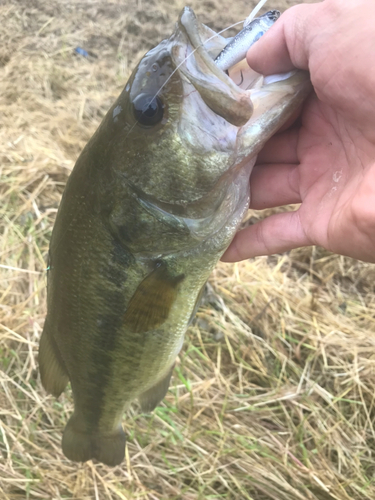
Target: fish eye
x=148 y=109
x=273 y=15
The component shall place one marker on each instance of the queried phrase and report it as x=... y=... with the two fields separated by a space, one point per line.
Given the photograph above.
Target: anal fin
x=52 y=371
x=153 y=396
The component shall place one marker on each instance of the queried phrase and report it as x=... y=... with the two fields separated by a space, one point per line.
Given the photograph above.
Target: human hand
x=327 y=162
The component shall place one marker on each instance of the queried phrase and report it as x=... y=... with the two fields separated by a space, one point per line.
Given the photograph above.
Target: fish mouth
x=208 y=96
x=240 y=95
x=217 y=90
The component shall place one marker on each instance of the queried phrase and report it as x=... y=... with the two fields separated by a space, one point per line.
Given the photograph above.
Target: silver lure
x=236 y=49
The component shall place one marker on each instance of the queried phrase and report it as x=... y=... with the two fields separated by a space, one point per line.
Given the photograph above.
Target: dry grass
x=273 y=396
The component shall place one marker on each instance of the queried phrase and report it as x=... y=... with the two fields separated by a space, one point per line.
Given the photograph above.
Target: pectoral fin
x=150 y=305
x=52 y=370
x=151 y=398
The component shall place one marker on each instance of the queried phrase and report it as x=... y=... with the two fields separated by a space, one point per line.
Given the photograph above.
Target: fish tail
x=80 y=446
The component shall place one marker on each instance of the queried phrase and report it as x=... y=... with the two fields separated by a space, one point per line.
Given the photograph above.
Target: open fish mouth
x=197 y=63
x=231 y=92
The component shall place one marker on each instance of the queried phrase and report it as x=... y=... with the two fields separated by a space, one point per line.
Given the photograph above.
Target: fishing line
x=248 y=20
x=191 y=53
x=254 y=12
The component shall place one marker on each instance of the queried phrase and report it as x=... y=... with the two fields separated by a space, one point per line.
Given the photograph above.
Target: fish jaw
x=267 y=102
x=274 y=103
x=215 y=88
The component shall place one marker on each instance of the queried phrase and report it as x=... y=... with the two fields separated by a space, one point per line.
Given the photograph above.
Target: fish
x=237 y=48
x=152 y=203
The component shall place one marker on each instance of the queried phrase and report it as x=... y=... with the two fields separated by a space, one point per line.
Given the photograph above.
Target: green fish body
x=152 y=203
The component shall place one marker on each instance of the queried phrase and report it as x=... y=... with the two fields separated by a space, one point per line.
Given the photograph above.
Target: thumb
x=286 y=45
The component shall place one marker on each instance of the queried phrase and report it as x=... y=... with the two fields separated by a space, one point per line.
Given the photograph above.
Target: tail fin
x=81 y=446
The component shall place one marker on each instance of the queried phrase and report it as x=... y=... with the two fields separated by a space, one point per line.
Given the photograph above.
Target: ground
x=273 y=394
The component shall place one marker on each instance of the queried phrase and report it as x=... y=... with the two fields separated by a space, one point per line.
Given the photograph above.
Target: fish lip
x=188 y=23
x=215 y=87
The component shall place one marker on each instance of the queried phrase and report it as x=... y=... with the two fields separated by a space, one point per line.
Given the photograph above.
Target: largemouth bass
x=152 y=203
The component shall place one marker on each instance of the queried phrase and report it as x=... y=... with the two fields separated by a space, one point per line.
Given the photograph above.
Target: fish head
x=174 y=126
x=271 y=15
x=183 y=131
